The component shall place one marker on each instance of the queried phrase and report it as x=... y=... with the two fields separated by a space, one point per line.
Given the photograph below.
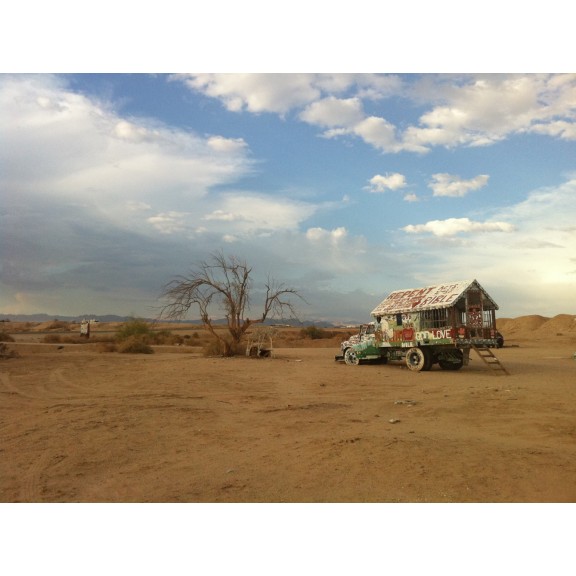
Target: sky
x=343 y=186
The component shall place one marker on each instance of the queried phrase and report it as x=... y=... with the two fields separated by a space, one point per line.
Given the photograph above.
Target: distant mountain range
x=48 y=317
x=113 y=318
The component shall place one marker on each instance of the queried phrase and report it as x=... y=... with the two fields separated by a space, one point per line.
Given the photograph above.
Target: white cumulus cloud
x=466 y=110
x=226 y=145
x=454 y=226
x=452 y=185
x=379 y=183
x=168 y=222
x=277 y=93
x=249 y=213
x=480 y=110
x=333 y=111
x=321 y=234
x=82 y=150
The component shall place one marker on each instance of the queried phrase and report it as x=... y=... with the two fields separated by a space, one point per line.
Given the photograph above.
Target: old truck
x=432 y=325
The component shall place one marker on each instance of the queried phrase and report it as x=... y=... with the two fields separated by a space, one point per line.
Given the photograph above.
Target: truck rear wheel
x=453 y=361
x=416 y=359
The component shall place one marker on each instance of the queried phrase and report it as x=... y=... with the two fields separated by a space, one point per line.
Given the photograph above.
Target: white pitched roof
x=428 y=298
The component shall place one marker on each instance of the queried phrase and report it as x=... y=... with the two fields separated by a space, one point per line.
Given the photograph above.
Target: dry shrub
x=106 y=347
x=52 y=339
x=315 y=333
x=133 y=337
x=58 y=325
x=70 y=339
x=97 y=339
x=196 y=339
x=216 y=347
x=212 y=348
x=5 y=353
x=165 y=337
x=134 y=345
x=5 y=337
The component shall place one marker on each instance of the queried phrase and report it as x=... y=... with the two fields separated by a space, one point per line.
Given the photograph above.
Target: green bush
x=134 y=337
x=134 y=327
x=143 y=331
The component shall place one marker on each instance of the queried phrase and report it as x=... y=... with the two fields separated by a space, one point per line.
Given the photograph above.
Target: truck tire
x=428 y=359
x=455 y=362
x=415 y=359
x=351 y=358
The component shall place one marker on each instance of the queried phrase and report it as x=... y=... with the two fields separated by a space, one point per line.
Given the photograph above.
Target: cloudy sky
x=345 y=186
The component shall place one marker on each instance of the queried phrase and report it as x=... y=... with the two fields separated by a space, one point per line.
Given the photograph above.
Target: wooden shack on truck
x=429 y=325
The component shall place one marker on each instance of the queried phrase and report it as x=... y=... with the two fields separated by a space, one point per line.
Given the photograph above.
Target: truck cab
x=364 y=332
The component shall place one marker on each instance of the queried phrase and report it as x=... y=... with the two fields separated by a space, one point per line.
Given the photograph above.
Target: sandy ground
x=79 y=425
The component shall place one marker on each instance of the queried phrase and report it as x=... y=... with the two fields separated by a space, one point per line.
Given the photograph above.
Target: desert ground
x=80 y=423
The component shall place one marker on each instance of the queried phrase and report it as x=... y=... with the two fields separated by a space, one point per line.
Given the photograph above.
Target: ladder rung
x=487 y=356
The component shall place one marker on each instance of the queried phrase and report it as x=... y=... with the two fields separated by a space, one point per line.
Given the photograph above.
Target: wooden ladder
x=490 y=359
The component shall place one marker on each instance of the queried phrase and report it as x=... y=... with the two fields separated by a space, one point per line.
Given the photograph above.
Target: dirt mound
x=504 y=323
x=537 y=327
x=560 y=324
x=522 y=326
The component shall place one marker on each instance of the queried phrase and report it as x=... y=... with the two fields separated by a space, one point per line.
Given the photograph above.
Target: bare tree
x=224 y=283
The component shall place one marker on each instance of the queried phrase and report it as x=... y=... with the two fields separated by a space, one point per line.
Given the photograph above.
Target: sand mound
x=521 y=324
x=559 y=324
x=535 y=326
x=504 y=323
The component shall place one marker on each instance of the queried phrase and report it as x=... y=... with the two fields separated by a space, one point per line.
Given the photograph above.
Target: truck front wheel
x=351 y=358
x=415 y=359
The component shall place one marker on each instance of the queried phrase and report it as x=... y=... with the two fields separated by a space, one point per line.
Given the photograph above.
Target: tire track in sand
x=31 y=487
x=57 y=385
x=10 y=389
x=13 y=438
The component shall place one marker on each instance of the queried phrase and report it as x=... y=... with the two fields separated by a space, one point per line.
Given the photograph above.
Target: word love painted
x=434 y=334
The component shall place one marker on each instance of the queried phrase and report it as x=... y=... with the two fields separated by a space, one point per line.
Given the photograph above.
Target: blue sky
x=345 y=186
